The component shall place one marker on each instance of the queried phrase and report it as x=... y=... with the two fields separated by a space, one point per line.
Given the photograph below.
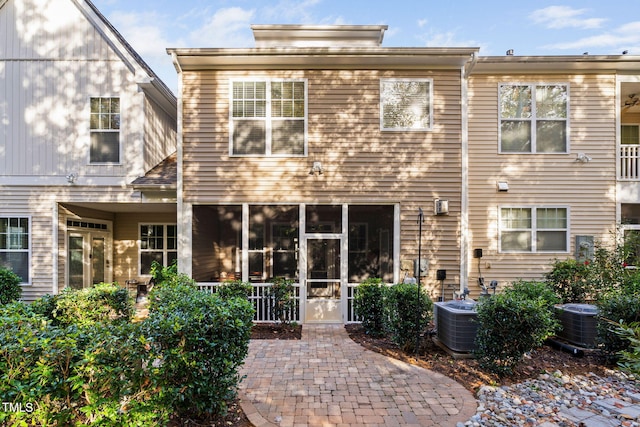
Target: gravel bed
x=559 y=400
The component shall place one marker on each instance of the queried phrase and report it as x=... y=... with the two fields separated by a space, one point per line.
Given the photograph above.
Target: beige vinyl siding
x=361 y=163
x=126 y=243
x=159 y=133
x=587 y=189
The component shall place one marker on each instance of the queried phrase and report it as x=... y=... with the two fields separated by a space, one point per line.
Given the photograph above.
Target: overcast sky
x=600 y=27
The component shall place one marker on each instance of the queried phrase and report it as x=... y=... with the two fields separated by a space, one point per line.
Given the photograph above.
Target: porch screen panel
x=370 y=243
x=273 y=242
x=217 y=243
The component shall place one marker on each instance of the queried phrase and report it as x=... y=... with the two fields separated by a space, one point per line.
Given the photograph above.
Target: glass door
x=88 y=261
x=323 y=283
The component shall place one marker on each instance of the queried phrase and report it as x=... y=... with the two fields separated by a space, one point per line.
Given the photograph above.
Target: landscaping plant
x=10 y=289
x=510 y=324
x=369 y=301
x=281 y=300
x=407 y=314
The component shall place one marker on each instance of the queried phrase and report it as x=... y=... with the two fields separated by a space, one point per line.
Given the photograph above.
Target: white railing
x=351 y=314
x=260 y=300
x=629 y=162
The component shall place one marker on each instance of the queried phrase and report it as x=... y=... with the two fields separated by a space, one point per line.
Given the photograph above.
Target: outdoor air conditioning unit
x=456 y=324
x=578 y=323
x=441 y=207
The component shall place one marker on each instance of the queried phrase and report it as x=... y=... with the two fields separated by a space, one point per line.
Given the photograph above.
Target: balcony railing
x=629 y=162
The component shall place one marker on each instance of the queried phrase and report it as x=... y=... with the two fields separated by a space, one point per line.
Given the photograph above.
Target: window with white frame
x=268 y=118
x=105 y=130
x=534 y=229
x=406 y=104
x=158 y=242
x=14 y=246
x=534 y=118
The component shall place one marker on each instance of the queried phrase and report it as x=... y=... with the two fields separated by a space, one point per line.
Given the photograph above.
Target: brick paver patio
x=326 y=379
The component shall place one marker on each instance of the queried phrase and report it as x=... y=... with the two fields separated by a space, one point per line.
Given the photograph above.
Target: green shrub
x=281 y=300
x=629 y=358
x=509 y=325
x=619 y=307
x=570 y=280
x=369 y=303
x=104 y=301
x=235 y=289
x=10 y=289
x=197 y=342
x=534 y=290
x=73 y=374
x=407 y=314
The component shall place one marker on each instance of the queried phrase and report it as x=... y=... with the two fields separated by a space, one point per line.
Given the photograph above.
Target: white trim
x=403 y=129
x=165 y=250
x=55 y=249
x=533 y=119
x=246 y=217
x=268 y=119
x=534 y=229
x=29 y=251
x=464 y=184
x=118 y=131
x=396 y=243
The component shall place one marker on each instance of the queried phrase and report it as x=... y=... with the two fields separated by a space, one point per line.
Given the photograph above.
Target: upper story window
x=534 y=229
x=268 y=118
x=533 y=118
x=406 y=104
x=105 y=130
x=14 y=246
x=158 y=242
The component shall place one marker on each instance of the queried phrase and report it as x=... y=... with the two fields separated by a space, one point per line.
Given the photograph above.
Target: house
x=321 y=156
x=559 y=134
x=87 y=130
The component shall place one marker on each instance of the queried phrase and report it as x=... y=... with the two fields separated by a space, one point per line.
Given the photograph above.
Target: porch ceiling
x=148 y=208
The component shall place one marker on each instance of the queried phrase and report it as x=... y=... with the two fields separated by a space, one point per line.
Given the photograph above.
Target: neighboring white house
x=82 y=121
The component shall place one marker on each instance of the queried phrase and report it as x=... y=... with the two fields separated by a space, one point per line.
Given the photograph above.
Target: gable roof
x=147 y=79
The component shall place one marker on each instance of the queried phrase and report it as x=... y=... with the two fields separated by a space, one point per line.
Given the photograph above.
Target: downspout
x=184 y=218
x=464 y=175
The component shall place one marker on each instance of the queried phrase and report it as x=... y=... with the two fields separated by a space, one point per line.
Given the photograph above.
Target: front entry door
x=323 y=283
x=88 y=258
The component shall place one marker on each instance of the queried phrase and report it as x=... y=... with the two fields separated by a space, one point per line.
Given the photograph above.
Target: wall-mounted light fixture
x=510 y=52
x=583 y=158
x=72 y=178
x=503 y=186
x=316 y=169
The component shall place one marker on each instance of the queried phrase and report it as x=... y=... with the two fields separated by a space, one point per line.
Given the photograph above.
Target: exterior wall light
x=316 y=169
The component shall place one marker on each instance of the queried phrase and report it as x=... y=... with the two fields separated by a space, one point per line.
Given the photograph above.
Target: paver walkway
x=326 y=379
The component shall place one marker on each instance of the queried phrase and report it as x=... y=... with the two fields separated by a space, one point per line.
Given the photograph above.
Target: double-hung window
x=105 y=130
x=268 y=118
x=534 y=229
x=14 y=246
x=534 y=118
x=158 y=242
x=406 y=104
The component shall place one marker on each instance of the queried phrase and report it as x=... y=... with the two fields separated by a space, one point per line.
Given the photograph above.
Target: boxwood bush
x=407 y=314
x=369 y=301
x=509 y=325
x=101 y=302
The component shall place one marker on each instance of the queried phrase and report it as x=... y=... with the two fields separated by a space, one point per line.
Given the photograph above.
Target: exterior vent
x=441 y=207
x=456 y=324
x=578 y=323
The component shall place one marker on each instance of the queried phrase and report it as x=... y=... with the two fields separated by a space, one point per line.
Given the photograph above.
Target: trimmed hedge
x=369 y=300
x=407 y=314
